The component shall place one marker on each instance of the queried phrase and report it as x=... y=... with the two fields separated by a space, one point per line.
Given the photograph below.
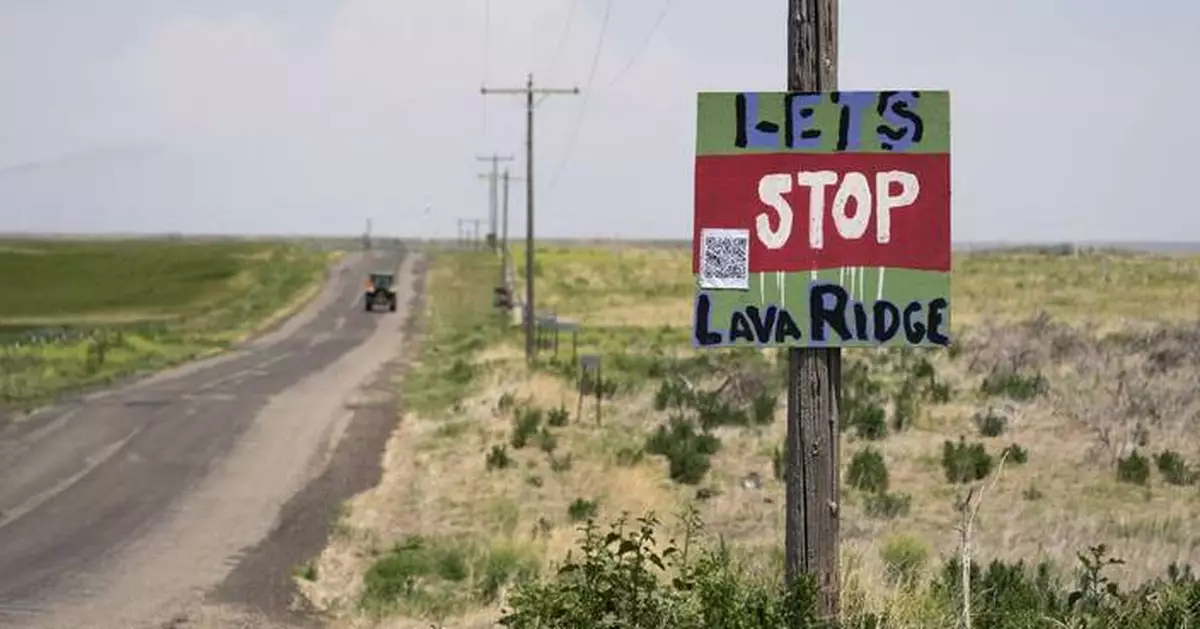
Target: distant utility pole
x=814 y=374
x=367 y=236
x=495 y=159
x=529 y=91
x=475 y=236
x=504 y=231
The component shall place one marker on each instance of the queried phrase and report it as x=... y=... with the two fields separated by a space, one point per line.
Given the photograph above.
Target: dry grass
x=1119 y=343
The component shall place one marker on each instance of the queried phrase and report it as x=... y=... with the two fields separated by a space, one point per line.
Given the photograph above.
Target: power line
x=586 y=95
x=487 y=55
x=662 y=15
x=562 y=37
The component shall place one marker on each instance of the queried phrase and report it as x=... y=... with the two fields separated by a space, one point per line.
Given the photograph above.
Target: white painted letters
x=854 y=186
x=771 y=189
x=910 y=187
x=816 y=181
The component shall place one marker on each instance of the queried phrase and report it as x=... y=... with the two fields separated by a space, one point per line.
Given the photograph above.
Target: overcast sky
x=1070 y=118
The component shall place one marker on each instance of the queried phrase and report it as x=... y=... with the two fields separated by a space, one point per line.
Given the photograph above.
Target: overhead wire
x=587 y=91
x=487 y=27
x=562 y=37
x=637 y=53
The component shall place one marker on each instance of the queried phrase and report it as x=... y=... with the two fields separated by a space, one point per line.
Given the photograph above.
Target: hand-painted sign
x=822 y=219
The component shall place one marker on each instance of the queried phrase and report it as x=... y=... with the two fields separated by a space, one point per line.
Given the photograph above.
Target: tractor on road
x=379 y=291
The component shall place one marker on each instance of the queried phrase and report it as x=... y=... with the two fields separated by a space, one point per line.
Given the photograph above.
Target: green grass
x=436 y=577
x=76 y=314
x=459 y=321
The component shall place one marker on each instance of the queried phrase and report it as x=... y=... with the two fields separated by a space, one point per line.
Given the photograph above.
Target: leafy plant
x=581 y=510
x=1133 y=469
x=868 y=471
x=526 y=424
x=498 y=459
x=687 y=451
x=990 y=423
x=965 y=463
x=1174 y=469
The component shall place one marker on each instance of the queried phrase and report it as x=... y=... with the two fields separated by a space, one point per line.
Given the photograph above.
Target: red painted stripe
x=727 y=196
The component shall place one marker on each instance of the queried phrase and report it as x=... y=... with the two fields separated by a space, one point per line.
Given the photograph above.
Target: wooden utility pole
x=814 y=374
x=475 y=234
x=504 y=231
x=466 y=235
x=529 y=91
x=493 y=176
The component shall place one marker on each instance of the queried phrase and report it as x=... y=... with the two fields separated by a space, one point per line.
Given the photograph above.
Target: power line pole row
x=492 y=178
x=529 y=91
x=467 y=236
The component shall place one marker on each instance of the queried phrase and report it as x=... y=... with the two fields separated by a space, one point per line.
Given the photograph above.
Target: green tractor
x=379 y=292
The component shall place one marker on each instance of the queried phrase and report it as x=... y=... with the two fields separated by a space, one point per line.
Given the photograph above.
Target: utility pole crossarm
x=529 y=90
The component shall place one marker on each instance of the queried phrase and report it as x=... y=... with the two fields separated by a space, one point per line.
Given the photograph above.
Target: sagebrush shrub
x=868 y=471
x=1133 y=469
x=965 y=463
x=1174 y=469
x=498 y=458
x=990 y=423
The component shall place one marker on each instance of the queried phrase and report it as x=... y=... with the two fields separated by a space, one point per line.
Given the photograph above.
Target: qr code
x=725 y=258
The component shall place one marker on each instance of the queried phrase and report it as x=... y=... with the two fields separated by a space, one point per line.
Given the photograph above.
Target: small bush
x=868 y=472
x=965 y=463
x=778 y=466
x=308 y=571
x=763 y=409
x=507 y=402
x=904 y=557
x=1174 y=469
x=1133 y=469
x=906 y=406
x=525 y=426
x=1016 y=454
x=871 y=423
x=1014 y=385
x=990 y=423
x=713 y=412
x=581 y=510
x=887 y=505
x=939 y=392
x=673 y=394
x=498 y=458
x=861 y=399
x=558 y=417
x=687 y=451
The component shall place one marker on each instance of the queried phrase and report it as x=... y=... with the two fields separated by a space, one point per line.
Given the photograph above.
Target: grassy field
x=75 y=314
x=1070 y=394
